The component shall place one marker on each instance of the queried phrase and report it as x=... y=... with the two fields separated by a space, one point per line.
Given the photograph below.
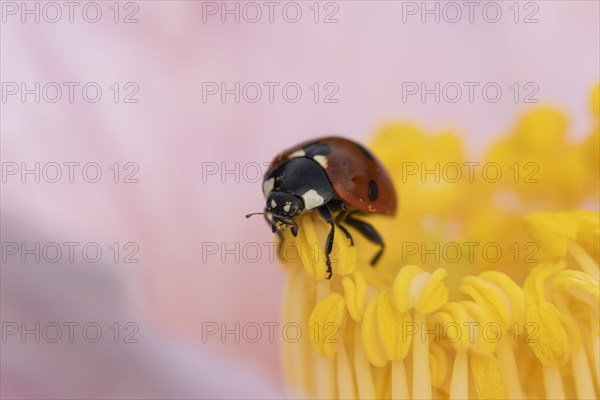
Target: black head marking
x=300 y=175
x=373 y=192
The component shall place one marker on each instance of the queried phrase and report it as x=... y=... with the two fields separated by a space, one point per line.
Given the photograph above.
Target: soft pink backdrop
x=171 y=132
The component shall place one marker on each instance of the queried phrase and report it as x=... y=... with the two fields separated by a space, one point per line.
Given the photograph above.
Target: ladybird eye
x=273 y=204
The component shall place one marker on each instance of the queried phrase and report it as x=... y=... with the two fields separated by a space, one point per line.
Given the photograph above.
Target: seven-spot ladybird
x=330 y=175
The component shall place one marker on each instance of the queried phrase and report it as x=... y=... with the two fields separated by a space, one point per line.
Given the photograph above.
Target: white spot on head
x=286 y=208
x=268 y=186
x=273 y=204
x=312 y=199
x=321 y=160
x=297 y=153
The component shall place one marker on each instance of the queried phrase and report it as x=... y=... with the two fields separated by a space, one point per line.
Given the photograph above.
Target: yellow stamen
x=345 y=379
x=586 y=262
x=551 y=231
x=364 y=377
x=438 y=364
x=326 y=322
x=421 y=378
x=552 y=346
x=582 y=375
x=459 y=385
x=399 y=381
x=487 y=373
x=373 y=347
x=355 y=294
x=553 y=383
x=296 y=355
x=506 y=357
x=368 y=333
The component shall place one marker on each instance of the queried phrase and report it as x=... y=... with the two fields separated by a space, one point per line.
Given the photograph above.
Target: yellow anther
x=489 y=297
x=384 y=331
x=401 y=286
x=454 y=319
x=482 y=331
x=325 y=323
x=551 y=231
x=344 y=256
x=512 y=291
x=355 y=295
x=307 y=240
x=580 y=285
x=424 y=291
x=545 y=324
x=372 y=346
x=534 y=284
x=546 y=334
x=438 y=364
x=488 y=377
x=435 y=294
x=392 y=327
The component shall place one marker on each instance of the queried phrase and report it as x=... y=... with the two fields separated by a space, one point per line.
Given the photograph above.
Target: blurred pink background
x=171 y=134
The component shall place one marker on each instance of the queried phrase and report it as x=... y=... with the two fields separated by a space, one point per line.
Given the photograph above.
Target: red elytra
x=357 y=177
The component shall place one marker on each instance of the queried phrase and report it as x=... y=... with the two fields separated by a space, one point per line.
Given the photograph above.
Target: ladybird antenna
x=256 y=213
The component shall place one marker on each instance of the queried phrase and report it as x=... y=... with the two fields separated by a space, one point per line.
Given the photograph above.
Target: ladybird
x=334 y=176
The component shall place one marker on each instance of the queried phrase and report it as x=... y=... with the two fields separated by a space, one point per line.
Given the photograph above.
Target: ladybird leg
x=348 y=235
x=370 y=233
x=325 y=213
x=338 y=220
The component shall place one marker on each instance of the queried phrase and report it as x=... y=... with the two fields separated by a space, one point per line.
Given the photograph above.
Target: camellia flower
x=488 y=287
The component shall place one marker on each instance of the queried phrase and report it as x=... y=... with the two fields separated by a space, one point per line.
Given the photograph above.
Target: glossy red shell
x=357 y=177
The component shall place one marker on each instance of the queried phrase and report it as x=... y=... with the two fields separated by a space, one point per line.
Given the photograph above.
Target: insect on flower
x=331 y=175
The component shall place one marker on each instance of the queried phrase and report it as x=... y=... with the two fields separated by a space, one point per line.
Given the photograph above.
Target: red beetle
x=331 y=175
